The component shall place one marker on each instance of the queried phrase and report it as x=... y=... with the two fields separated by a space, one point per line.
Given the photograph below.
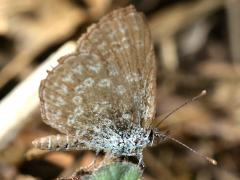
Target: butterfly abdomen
x=59 y=142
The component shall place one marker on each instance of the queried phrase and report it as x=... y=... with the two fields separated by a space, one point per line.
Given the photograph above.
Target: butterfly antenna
x=203 y=93
x=210 y=160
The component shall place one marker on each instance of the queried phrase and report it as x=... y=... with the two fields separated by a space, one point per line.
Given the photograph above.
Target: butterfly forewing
x=109 y=80
x=123 y=40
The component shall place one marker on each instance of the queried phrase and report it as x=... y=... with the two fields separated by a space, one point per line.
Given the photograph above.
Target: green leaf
x=116 y=171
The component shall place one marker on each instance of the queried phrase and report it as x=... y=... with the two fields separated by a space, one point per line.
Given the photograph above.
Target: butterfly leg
x=108 y=158
x=91 y=165
x=140 y=159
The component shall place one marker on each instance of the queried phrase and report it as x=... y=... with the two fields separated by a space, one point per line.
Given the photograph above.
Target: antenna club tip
x=212 y=161
x=204 y=92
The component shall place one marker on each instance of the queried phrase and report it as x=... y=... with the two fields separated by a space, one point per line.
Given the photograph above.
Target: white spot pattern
x=99 y=107
x=133 y=77
x=68 y=78
x=126 y=116
x=78 y=111
x=126 y=42
x=79 y=89
x=77 y=100
x=88 y=82
x=120 y=89
x=123 y=30
x=104 y=83
x=64 y=88
x=71 y=119
x=78 y=69
x=95 y=68
x=56 y=115
x=112 y=70
x=60 y=101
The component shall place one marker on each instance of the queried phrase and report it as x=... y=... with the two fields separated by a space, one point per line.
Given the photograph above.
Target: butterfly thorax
x=127 y=142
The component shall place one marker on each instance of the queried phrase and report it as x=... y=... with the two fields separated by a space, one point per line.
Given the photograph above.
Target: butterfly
x=103 y=96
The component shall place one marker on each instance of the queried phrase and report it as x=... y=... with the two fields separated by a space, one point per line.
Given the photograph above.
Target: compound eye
x=151 y=136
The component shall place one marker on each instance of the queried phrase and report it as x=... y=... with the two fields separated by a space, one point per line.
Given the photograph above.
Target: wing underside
x=109 y=80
